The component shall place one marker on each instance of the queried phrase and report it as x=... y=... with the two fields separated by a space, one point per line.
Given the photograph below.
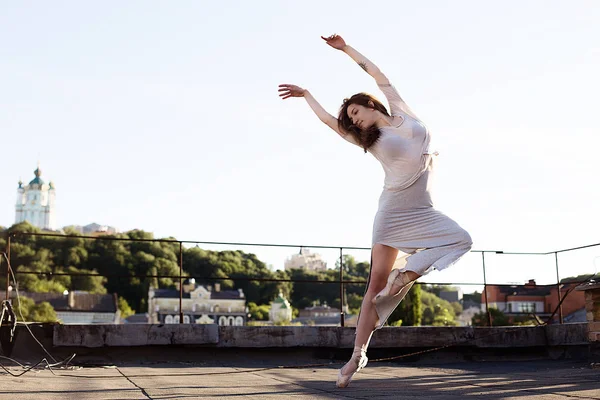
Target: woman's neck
x=384 y=120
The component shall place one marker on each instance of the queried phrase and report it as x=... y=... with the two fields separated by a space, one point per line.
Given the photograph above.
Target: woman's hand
x=335 y=41
x=287 y=91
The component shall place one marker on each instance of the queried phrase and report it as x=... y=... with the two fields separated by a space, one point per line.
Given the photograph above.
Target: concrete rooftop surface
x=248 y=376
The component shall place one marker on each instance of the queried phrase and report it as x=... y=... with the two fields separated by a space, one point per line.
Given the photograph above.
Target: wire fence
x=485 y=257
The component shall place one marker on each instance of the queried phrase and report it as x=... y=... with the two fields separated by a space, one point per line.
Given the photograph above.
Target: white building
x=94 y=229
x=201 y=305
x=36 y=203
x=281 y=310
x=321 y=315
x=305 y=260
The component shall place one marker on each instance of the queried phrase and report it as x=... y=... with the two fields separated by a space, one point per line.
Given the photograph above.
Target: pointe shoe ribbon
x=397 y=278
x=344 y=380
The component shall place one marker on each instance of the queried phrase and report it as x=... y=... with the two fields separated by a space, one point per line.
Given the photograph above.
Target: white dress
x=406 y=220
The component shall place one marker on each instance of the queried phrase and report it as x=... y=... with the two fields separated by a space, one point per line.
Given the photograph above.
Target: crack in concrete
x=134 y=384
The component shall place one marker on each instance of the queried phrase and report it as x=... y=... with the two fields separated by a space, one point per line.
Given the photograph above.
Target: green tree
x=410 y=311
x=304 y=294
x=578 y=278
x=43 y=312
x=354 y=302
x=436 y=311
x=205 y=264
x=474 y=297
x=498 y=318
x=40 y=261
x=22 y=306
x=124 y=308
x=258 y=313
x=457 y=308
x=87 y=283
x=26 y=309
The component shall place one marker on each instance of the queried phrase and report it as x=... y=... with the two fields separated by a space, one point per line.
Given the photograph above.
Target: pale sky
x=164 y=116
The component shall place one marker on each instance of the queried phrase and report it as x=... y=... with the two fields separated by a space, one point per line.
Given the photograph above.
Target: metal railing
x=180 y=277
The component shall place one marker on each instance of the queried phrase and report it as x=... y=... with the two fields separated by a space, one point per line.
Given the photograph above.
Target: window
x=527 y=307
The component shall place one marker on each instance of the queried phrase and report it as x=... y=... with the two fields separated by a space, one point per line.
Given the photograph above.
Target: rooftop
x=73 y=301
x=214 y=295
x=185 y=374
x=171 y=362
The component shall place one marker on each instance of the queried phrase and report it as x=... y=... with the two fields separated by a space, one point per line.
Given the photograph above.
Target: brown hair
x=365 y=138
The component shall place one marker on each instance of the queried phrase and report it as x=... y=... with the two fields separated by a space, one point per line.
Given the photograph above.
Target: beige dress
x=406 y=220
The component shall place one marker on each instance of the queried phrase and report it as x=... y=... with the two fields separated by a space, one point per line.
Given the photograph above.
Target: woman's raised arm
x=286 y=91
x=397 y=104
x=337 y=42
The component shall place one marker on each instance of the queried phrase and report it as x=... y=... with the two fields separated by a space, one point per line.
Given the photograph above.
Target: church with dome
x=36 y=203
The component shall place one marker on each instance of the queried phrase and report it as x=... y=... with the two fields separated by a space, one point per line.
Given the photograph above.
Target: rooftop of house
x=72 y=301
x=189 y=286
x=530 y=288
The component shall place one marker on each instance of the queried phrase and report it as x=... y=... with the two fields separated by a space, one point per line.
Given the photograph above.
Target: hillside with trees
x=129 y=265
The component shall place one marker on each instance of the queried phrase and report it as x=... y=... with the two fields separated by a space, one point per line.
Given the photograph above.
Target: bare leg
x=383 y=258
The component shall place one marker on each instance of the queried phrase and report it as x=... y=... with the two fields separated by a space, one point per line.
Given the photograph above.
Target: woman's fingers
x=289 y=87
x=287 y=91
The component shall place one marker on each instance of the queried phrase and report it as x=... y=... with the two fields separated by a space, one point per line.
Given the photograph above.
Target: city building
x=319 y=315
x=531 y=298
x=36 y=203
x=76 y=307
x=200 y=304
x=94 y=229
x=455 y=295
x=281 y=310
x=305 y=260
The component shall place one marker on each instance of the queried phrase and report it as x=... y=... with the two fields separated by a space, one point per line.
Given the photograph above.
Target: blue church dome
x=37 y=180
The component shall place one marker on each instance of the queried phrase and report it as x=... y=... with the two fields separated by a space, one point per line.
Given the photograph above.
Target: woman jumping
x=410 y=237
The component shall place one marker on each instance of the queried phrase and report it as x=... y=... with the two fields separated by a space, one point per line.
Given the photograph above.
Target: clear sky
x=164 y=116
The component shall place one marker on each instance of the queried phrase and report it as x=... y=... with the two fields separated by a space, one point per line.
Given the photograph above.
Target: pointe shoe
x=361 y=361
x=396 y=278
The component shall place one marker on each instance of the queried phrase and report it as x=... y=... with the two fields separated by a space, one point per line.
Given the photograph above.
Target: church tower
x=36 y=203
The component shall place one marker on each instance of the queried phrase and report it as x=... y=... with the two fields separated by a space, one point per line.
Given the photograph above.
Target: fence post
x=341 y=287
x=180 y=282
x=487 y=308
x=560 y=311
x=8 y=236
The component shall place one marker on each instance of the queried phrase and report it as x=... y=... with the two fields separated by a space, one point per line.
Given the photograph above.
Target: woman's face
x=361 y=116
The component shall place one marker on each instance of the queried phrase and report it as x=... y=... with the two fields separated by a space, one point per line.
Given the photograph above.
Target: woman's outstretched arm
x=397 y=104
x=286 y=91
x=337 y=42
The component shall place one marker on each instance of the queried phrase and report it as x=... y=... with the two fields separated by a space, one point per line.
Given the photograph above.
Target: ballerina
x=410 y=237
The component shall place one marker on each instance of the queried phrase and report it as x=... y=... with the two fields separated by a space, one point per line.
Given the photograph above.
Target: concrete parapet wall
x=592 y=308
x=134 y=335
x=315 y=336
